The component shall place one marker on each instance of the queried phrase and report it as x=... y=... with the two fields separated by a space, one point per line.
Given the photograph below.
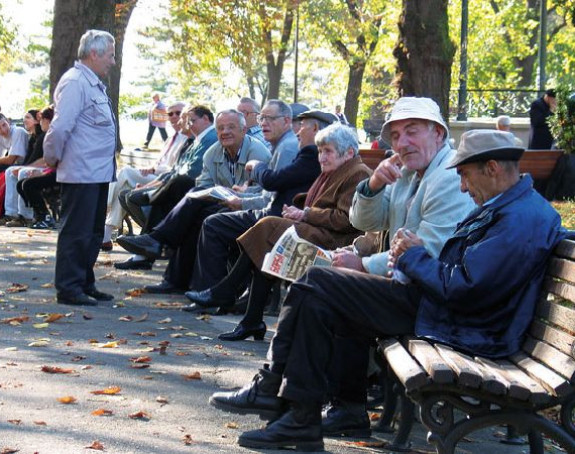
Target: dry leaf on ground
x=140 y=415
x=9 y=450
x=17 y=288
x=187 y=439
x=56 y=370
x=141 y=359
x=95 y=445
x=110 y=390
x=135 y=292
x=17 y=320
x=193 y=376
x=67 y=399
x=53 y=317
x=102 y=412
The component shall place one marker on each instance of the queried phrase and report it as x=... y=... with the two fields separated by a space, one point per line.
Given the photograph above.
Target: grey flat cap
x=326 y=117
x=480 y=145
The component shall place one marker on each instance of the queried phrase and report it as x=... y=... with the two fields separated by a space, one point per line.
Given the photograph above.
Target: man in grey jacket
x=81 y=143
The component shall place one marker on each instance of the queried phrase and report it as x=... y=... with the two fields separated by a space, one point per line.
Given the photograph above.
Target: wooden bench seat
x=512 y=391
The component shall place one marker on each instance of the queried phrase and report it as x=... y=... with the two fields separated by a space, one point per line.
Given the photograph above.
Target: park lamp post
x=462 y=96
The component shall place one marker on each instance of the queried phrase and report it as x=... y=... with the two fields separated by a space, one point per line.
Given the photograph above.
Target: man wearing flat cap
x=219 y=231
x=477 y=296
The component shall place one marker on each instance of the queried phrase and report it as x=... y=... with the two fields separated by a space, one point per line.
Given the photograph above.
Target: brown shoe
x=107 y=246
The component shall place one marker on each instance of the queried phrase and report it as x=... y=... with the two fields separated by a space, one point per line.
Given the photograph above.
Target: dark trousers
x=327 y=303
x=151 y=129
x=30 y=189
x=217 y=244
x=166 y=198
x=134 y=201
x=180 y=230
x=81 y=231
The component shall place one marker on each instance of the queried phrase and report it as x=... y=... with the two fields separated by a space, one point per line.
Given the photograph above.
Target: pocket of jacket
x=101 y=113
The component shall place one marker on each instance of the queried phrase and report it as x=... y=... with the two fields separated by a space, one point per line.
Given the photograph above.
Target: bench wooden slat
x=492 y=382
x=515 y=388
x=561 y=363
x=562 y=269
x=537 y=393
x=558 y=314
x=539 y=163
x=551 y=381
x=566 y=249
x=372 y=158
x=431 y=361
x=408 y=371
x=467 y=373
x=563 y=341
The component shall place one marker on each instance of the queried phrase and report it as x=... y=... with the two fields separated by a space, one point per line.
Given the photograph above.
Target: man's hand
x=387 y=172
x=292 y=213
x=347 y=259
x=233 y=203
x=241 y=188
x=251 y=164
x=402 y=241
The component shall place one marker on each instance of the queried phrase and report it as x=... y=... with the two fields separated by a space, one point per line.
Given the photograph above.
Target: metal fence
x=495 y=102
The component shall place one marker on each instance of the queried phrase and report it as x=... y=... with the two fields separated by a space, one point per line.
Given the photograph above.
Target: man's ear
x=492 y=167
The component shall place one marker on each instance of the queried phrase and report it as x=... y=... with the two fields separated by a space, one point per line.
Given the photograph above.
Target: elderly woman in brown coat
x=323 y=220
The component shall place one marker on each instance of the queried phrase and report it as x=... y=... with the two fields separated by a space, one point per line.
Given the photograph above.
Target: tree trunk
x=354 y=82
x=424 y=51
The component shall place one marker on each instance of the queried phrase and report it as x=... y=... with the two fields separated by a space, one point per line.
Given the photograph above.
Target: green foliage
x=133 y=106
x=8 y=34
x=562 y=124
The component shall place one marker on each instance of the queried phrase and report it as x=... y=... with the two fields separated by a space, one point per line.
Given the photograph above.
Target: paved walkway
x=159 y=365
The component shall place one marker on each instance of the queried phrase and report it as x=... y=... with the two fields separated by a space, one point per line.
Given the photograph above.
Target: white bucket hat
x=485 y=144
x=410 y=107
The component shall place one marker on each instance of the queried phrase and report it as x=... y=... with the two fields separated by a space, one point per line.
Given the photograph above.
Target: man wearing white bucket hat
x=478 y=295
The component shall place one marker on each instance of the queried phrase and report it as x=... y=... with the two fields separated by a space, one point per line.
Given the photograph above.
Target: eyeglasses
x=191 y=120
x=262 y=118
x=176 y=112
x=246 y=114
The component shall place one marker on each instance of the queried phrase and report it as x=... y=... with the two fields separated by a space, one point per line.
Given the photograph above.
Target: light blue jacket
x=215 y=169
x=81 y=140
x=433 y=213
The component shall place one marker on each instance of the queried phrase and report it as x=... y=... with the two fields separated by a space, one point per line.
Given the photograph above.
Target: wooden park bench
x=532 y=391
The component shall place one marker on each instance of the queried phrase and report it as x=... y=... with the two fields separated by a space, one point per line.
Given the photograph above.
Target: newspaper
x=213 y=194
x=291 y=256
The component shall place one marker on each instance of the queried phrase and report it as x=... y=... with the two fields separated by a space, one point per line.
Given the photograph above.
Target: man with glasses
x=224 y=165
x=197 y=122
x=130 y=178
x=251 y=109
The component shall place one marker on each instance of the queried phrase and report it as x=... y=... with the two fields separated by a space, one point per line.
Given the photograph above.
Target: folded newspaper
x=213 y=194
x=291 y=256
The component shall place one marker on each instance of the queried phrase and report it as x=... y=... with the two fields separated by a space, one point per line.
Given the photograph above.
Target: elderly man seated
x=477 y=296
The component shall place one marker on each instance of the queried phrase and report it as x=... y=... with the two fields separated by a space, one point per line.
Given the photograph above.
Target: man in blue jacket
x=477 y=296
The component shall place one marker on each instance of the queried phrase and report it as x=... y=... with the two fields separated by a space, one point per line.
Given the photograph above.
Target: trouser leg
x=260 y=288
x=151 y=129
x=326 y=302
x=24 y=209
x=80 y=236
x=163 y=133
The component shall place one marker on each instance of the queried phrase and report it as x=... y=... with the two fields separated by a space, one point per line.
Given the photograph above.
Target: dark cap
x=551 y=92
x=297 y=108
x=481 y=145
x=326 y=117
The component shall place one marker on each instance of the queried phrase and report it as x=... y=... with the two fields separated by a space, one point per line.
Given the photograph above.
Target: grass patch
x=567 y=211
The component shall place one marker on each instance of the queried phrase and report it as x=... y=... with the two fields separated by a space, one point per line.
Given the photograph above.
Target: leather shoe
x=98 y=295
x=79 y=300
x=132 y=264
x=142 y=245
x=242 y=332
x=338 y=421
x=258 y=398
x=299 y=428
x=163 y=288
x=205 y=299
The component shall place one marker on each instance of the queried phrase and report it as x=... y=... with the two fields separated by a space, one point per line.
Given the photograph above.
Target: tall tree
x=424 y=51
x=7 y=36
x=71 y=20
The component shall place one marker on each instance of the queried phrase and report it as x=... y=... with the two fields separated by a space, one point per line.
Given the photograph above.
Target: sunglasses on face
x=177 y=112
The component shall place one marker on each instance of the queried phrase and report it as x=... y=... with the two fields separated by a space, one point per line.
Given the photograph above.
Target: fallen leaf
x=16 y=422
x=56 y=370
x=140 y=415
x=232 y=425
x=53 y=317
x=102 y=412
x=135 y=292
x=368 y=444
x=17 y=288
x=78 y=358
x=39 y=343
x=162 y=400
x=139 y=366
x=193 y=376
x=113 y=344
x=47 y=285
x=141 y=359
x=176 y=335
x=126 y=318
x=204 y=317
x=67 y=399
x=143 y=318
x=85 y=367
x=40 y=423
x=191 y=334
x=87 y=316
x=9 y=451
x=374 y=416
x=11 y=349
x=146 y=334
x=163 y=304
x=95 y=445
x=41 y=325
x=18 y=320
x=110 y=390
x=165 y=320
x=187 y=439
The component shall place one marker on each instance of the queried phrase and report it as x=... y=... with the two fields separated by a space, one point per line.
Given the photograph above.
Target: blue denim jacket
x=81 y=140
x=480 y=295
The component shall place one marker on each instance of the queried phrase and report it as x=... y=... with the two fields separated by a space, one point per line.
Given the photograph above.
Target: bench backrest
x=372 y=158
x=549 y=349
x=539 y=163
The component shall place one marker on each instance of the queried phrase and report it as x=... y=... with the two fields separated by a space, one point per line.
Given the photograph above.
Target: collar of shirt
x=90 y=75
x=202 y=134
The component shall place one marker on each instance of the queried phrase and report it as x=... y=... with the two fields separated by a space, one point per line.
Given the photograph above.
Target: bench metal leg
x=401 y=441
x=385 y=423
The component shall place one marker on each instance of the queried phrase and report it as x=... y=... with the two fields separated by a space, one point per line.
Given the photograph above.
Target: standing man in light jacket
x=80 y=144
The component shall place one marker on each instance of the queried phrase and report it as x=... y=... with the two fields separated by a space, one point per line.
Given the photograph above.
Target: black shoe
x=337 y=421
x=163 y=288
x=107 y=246
x=98 y=295
x=205 y=299
x=258 y=398
x=142 y=245
x=299 y=428
x=132 y=264
x=79 y=300
x=242 y=332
